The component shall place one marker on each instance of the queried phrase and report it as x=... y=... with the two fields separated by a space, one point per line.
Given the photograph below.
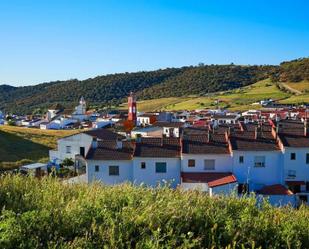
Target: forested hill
x=112 y=89
x=293 y=71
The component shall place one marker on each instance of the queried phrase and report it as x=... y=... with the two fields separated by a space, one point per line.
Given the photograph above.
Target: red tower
x=132 y=108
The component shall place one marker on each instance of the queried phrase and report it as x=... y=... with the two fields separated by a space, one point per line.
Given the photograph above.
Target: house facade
x=218 y=160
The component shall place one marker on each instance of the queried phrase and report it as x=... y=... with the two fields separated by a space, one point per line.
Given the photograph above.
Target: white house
x=157 y=161
x=80 y=144
x=170 y=129
x=149 y=131
x=110 y=161
x=257 y=159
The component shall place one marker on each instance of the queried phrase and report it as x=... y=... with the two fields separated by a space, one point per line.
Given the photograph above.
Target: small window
x=191 y=163
x=241 y=159
x=293 y=156
x=307 y=186
x=307 y=158
x=209 y=164
x=292 y=173
x=259 y=161
x=160 y=167
x=143 y=165
x=68 y=149
x=113 y=170
x=97 y=168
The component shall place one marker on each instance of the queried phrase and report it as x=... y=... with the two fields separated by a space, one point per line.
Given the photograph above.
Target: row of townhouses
x=270 y=158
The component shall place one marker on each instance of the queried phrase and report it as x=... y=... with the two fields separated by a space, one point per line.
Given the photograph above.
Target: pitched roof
x=158 y=147
x=276 y=189
x=107 y=150
x=212 y=179
x=202 y=144
x=290 y=140
x=246 y=141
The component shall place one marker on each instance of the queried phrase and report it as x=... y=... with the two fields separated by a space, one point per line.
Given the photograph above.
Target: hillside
x=26 y=144
x=113 y=89
x=48 y=214
x=243 y=98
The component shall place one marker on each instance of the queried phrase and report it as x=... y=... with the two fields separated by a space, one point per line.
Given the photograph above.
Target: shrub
x=50 y=214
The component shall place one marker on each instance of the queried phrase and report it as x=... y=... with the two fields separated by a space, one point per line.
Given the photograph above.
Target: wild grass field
x=48 y=214
x=20 y=145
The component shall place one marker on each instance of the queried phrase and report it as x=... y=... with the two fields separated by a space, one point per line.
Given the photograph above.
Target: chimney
x=255 y=133
x=305 y=125
x=118 y=144
x=94 y=144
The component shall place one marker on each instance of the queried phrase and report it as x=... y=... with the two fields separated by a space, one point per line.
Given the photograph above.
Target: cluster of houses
x=266 y=152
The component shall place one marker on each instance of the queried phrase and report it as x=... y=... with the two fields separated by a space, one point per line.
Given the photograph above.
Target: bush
x=48 y=214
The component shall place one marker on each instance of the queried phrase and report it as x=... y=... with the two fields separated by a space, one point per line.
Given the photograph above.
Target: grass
x=238 y=99
x=302 y=86
x=22 y=145
x=48 y=214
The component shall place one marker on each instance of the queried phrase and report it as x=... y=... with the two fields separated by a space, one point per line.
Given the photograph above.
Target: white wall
x=226 y=189
x=195 y=186
x=125 y=171
x=223 y=162
x=299 y=165
x=272 y=173
x=75 y=141
x=149 y=176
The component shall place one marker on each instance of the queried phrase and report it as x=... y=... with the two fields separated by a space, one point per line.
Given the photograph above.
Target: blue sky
x=45 y=40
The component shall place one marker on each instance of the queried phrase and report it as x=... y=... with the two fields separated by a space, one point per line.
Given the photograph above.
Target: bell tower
x=132 y=108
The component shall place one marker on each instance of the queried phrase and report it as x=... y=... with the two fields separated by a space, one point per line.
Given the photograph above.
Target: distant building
x=132 y=111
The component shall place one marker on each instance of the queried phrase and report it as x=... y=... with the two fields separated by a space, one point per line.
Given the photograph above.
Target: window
x=143 y=165
x=241 y=159
x=97 y=168
x=259 y=161
x=113 y=170
x=307 y=158
x=68 y=149
x=293 y=156
x=292 y=173
x=160 y=167
x=209 y=164
x=191 y=163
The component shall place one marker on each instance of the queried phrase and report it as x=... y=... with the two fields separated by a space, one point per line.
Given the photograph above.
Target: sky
x=47 y=40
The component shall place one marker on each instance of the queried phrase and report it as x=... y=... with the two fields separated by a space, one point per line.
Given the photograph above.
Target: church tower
x=82 y=104
x=132 y=108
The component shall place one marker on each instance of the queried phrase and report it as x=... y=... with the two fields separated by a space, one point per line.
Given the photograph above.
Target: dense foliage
x=113 y=89
x=293 y=71
x=49 y=214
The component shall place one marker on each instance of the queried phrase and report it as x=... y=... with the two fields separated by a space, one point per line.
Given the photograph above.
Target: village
x=216 y=151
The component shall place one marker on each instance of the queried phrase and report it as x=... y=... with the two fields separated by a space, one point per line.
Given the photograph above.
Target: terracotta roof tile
x=107 y=150
x=158 y=147
x=212 y=179
x=276 y=189
x=199 y=144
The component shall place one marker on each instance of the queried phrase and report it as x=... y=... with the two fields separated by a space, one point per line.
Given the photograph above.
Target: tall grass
x=49 y=214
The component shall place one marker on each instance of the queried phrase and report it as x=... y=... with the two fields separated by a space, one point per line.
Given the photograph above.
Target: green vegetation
x=105 y=91
x=24 y=145
x=293 y=71
x=237 y=99
x=48 y=214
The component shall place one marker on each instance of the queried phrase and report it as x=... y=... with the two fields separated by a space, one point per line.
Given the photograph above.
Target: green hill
x=20 y=145
x=113 y=89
